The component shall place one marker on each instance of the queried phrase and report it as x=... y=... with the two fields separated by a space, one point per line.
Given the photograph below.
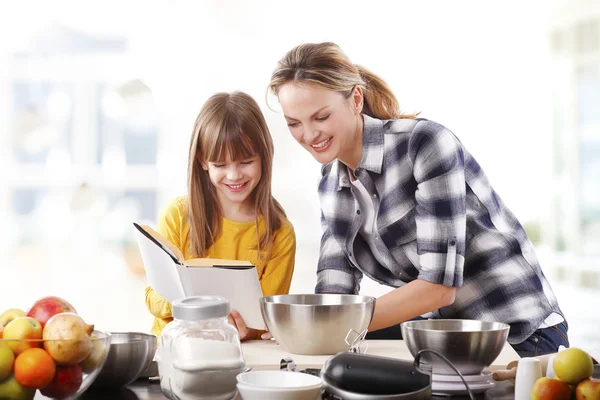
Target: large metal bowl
x=129 y=356
x=316 y=323
x=471 y=345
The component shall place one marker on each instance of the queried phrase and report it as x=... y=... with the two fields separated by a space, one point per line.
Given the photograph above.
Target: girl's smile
x=237 y=187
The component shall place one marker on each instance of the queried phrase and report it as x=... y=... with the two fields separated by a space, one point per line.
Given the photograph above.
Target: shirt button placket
x=380 y=244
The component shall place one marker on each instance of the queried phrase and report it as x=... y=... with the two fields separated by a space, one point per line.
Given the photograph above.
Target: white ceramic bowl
x=278 y=385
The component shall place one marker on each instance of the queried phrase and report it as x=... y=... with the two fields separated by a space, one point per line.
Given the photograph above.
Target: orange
x=34 y=368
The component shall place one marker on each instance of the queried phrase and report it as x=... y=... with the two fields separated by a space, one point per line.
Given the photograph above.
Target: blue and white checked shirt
x=437 y=219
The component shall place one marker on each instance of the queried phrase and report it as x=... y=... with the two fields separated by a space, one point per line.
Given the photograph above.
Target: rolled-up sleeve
x=335 y=274
x=441 y=204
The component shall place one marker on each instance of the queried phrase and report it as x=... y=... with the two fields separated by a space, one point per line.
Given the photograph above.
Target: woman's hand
x=245 y=333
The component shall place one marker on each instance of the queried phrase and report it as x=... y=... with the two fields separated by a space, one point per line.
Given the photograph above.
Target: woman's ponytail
x=379 y=101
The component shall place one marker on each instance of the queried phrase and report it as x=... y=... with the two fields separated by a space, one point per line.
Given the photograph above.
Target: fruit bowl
x=27 y=366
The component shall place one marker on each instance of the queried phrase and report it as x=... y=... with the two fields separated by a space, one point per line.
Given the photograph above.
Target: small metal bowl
x=130 y=355
x=471 y=345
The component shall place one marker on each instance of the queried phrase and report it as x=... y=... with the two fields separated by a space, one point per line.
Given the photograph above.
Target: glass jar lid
x=197 y=308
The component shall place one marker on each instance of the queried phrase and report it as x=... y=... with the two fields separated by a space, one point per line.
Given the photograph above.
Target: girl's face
x=323 y=121
x=234 y=180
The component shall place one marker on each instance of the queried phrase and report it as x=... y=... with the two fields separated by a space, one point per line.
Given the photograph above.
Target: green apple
x=11 y=390
x=7 y=360
x=23 y=328
x=572 y=365
x=10 y=314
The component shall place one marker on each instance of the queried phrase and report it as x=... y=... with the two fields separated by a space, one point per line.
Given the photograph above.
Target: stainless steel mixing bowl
x=129 y=356
x=316 y=323
x=471 y=345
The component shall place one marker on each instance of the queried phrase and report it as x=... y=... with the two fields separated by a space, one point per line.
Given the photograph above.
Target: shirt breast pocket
x=258 y=260
x=401 y=231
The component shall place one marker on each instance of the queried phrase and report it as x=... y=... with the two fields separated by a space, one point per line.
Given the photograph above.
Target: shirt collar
x=372 y=151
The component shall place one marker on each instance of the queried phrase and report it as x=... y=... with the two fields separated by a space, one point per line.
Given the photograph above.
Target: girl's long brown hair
x=229 y=123
x=326 y=65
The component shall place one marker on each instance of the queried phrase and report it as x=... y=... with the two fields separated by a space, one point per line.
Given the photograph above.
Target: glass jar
x=199 y=353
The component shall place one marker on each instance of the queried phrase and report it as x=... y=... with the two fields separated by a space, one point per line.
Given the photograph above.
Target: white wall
x=480 y=68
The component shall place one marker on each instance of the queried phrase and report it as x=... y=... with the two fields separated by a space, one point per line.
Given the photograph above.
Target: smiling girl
x=230 y=212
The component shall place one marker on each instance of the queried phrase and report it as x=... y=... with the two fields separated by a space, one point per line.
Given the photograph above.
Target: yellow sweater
x=237 y=241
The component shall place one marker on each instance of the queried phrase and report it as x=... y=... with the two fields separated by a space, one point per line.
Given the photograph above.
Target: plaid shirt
x=437 y=219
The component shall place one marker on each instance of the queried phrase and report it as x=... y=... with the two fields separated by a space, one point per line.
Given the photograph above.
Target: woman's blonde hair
x=229 y=124
x=326 y=65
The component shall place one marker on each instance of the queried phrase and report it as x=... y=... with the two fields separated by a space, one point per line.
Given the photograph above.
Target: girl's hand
x=266 y=336
x=245 y=333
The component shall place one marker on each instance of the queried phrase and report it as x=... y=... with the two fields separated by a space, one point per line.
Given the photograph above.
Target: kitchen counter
x=143 y=390
x=267 y=355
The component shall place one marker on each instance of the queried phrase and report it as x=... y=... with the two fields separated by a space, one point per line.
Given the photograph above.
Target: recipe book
x=173 y=278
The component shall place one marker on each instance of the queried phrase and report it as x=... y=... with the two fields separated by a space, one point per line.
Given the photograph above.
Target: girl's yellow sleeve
x=157 y=306
x=169 y=225
x=277 y=276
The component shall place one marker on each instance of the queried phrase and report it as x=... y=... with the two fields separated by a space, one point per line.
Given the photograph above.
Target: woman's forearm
x=409 y=301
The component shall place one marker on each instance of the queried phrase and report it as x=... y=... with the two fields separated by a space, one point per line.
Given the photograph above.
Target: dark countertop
x=144 y=390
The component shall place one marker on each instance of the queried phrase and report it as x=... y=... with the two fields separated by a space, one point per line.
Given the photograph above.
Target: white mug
x=550 y=367
x=529 y=370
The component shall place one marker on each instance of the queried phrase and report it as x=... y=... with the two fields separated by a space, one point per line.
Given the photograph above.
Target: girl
x=229 y=212
x=405 y=203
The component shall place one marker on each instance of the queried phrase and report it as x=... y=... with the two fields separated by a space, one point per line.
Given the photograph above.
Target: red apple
x=588 y=389
x=45 y=308
x=66 y=382
x=550 y=389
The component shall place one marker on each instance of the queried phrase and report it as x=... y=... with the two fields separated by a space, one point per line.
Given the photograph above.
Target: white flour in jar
x=200 y=369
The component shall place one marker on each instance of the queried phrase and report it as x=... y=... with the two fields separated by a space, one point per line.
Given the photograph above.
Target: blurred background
x=98 y=100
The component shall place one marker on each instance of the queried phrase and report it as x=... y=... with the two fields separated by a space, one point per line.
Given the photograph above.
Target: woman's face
x=323 y=121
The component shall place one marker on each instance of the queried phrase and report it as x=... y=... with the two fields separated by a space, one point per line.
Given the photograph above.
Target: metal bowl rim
x=408 y=325
x=146 y=337
x=269 y=300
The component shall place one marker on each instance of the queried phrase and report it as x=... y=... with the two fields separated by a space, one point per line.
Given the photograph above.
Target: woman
x=230 y=212
x=405 y=203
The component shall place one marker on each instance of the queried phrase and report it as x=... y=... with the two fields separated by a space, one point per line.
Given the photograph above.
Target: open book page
x=161 y=269
x=237 y=284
